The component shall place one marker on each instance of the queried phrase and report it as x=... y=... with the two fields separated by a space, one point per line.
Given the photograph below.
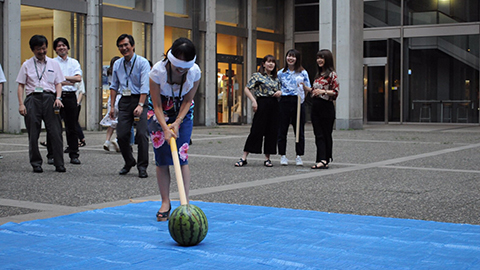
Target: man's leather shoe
x=50 y=161
x=142 y=173
x=124 y=170
x=60 y=169
x=37 y=169
x=75 y=161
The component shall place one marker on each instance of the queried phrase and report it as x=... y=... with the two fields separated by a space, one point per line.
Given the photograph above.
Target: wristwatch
x=59 y=98
x=141 y=104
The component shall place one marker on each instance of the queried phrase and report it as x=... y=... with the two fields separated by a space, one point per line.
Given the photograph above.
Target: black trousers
x=126 y=106
x=69 y=114
x=323 y=118
x=40 y=108
x=288 y=116
x=264 y=127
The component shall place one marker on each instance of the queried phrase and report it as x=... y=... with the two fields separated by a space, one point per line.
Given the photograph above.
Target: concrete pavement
x=415 y=171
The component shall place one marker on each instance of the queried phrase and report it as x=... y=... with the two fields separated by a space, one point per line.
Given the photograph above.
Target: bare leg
x=244 y=156
x=186 y=179
x=163 y=180
x=109 y=133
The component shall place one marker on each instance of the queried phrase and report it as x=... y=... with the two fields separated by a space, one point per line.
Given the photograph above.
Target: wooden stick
x=299 y=105
x=178 y=172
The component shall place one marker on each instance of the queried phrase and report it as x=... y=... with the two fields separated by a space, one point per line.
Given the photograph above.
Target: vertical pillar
x=289 y=22
x=93 y=64
x=349 y=63
x=210 y=72
x=158 y=30
x=251 y=57
x=138 y=35
x=11 y=65
x=326 y=20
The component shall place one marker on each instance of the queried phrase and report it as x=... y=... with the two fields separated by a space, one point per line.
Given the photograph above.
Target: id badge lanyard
x=131 y=69
x=176 y=105
x=40 y=89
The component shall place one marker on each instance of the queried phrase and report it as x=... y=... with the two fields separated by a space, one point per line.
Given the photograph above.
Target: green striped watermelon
x=188 y=225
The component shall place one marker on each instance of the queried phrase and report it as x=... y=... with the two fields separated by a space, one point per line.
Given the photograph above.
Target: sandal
x=43 y=144
x=268 y=163
x=324 y=165
x=82 y=143
x=164 y=216
x=242 y=162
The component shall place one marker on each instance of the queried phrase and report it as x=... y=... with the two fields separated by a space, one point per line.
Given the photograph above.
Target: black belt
x=38 y=93
x=68 y=93
x=132 y=95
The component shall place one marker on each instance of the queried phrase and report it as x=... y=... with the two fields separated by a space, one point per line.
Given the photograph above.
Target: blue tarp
x=239 y=237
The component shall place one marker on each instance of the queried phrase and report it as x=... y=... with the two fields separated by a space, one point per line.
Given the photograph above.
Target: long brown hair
x=298 y=63
x=265 y=59
x=328 y=66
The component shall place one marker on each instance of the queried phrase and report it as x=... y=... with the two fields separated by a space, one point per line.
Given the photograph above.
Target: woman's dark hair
x=265 y=59
x=37 y=41
x=60 y=39
x=110 y=68
x=298 y=63
x=328 y=65
x=184 y=49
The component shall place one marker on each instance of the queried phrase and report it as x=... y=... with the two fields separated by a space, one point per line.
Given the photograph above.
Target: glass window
x=143 y=5
x=53 y=24
x=177 y=8
x=268 y=16
x=376 y=48
x=231 y=12
x=306 y=18
x=172 y=33
x=442 y=79
x=265 y=47
x=381 y=13
x=141 y=33
x=441 y=11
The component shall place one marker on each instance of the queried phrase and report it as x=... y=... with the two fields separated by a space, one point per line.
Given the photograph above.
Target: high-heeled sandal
x=82 y=143
x=164 y=216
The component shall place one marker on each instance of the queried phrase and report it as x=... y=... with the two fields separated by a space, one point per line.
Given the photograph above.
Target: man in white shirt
x=73 y=74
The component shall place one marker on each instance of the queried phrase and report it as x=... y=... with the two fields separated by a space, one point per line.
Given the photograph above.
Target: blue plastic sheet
x=239 y=237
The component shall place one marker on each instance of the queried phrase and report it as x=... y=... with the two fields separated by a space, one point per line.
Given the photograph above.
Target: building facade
x=397 y=60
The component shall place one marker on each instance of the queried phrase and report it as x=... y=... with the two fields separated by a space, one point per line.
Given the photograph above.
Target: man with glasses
x=130 y=79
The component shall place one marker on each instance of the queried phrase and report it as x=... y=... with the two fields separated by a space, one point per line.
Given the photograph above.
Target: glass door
x=375 y=90
x=229 y=89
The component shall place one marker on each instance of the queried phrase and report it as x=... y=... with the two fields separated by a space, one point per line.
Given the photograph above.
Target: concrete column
x=158 y=30
x=93 y=64
x=326 y=20
x=62 y=26
x=349 y=63
x=289 y=25
x=210 y=72
x=14 y=122
x=251 y=57
x=137 y=34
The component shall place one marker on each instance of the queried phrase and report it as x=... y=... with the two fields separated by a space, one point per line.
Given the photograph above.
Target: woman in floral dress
x=173 y=84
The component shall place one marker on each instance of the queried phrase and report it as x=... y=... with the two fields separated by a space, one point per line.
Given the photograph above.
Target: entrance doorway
x=229 y=89
x=375 y=90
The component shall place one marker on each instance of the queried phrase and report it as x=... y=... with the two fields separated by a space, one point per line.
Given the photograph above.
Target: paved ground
x=426 y=172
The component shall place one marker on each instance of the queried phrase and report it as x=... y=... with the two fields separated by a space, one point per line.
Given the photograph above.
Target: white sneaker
x=284 y=160
x=299 y=161
x=115 y=144
x=106 y=146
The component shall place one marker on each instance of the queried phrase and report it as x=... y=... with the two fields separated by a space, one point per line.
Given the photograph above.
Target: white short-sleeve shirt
x=158 y=74
x=2 y=75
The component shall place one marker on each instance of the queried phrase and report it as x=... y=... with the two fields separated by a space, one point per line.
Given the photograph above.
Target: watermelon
x=188 y=225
